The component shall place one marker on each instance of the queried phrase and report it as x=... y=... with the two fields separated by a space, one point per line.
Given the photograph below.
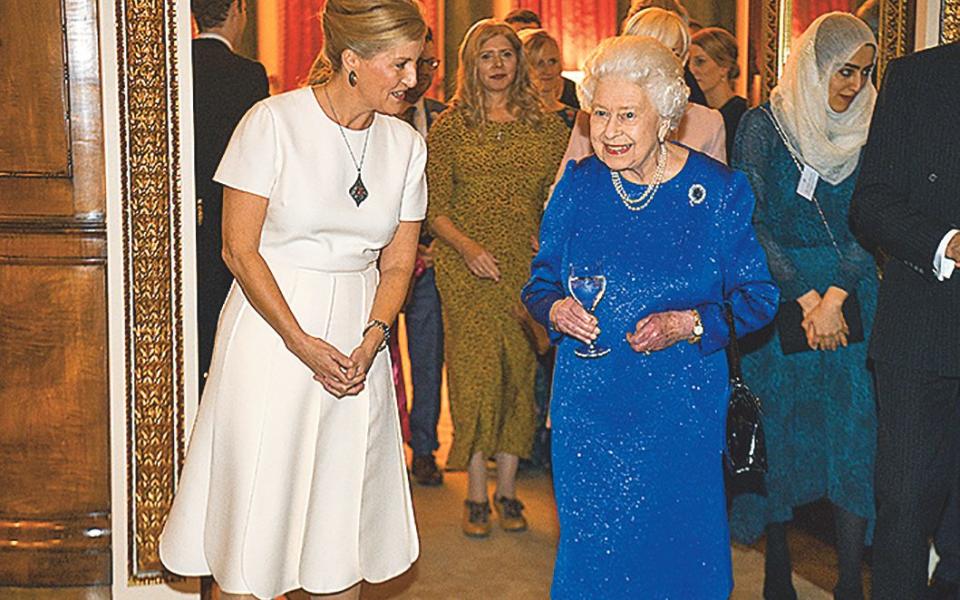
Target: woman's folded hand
x=330 y=366
x=661 y=330
x=569 y=318
x=825 y=326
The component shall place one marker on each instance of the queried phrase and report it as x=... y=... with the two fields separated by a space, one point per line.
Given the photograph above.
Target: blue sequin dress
x=637 y=439
x=819 y=409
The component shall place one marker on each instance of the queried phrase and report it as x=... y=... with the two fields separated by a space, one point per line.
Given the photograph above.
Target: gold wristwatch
x=697 y=328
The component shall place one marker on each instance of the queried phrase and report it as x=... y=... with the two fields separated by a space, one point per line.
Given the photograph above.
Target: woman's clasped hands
x=823 y=320
x=339 y=374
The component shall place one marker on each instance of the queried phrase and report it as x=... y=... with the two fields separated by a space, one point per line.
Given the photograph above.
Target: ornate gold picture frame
x=149 y=126
x=950 y=21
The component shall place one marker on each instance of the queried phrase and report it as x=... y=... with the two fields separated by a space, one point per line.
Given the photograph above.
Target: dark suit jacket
x=225 y=86
x=433 y=108
x=906 y=200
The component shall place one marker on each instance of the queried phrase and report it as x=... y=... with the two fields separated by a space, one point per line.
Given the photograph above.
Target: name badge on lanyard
x=808 y=182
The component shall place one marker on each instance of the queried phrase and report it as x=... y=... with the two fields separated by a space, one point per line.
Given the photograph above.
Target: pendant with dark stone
x=358 y=191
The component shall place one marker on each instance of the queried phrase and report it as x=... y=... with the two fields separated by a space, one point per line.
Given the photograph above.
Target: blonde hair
x=673 y=6
x=534 y=40
x=367 y=27
x=662 y=25
x=721 y=47
x=643 y=61
x=523 y=101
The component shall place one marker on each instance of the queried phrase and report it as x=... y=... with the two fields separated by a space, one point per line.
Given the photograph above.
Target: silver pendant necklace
x=641 y=202
x=358 y=191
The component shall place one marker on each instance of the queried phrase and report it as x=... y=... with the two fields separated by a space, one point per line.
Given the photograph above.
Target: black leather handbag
x=746 y=447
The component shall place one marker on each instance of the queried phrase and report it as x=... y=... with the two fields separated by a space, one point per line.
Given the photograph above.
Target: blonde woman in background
x=713 y=62
x=546 y=66
x=492 y=158
x=295 y=474
x=700 y=128
x=676 y=7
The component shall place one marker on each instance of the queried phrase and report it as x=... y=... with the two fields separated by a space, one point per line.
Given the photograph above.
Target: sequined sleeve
x=545 y=285
x=747 y=285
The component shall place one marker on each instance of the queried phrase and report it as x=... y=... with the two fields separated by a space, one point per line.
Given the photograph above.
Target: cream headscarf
x=826 y=140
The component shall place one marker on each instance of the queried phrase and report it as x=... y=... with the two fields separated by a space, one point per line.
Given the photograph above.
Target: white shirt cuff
x=942 y=266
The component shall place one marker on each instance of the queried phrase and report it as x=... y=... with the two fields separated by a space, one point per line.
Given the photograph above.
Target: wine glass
x=587 y=285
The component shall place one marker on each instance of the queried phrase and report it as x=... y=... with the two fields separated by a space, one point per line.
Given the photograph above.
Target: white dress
x=284 y=485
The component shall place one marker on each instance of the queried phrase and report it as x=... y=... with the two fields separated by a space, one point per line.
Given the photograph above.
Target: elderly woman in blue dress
x=663 y=236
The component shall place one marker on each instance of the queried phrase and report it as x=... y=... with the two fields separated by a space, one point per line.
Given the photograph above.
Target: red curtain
x=302 y=37
x=807 y=11
x=578 y=25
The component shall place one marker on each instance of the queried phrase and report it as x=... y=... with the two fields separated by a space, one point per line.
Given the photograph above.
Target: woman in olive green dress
x=491 y=157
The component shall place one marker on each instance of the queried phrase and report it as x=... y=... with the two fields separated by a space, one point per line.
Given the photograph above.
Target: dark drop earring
x=352 y=78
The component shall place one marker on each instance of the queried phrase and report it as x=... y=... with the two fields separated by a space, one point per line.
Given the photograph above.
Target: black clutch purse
x=793 y=338
x=746 y=447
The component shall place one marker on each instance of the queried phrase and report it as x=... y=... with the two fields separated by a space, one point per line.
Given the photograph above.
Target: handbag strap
x=733 y=348
x=799 y=163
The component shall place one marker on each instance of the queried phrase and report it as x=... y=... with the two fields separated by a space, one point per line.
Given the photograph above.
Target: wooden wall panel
x=35 y=121
x=51 y=137
x=54 y=405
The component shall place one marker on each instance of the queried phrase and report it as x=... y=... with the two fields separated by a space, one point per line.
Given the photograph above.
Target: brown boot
x=510 y=513
x=425 y=470
x=476 y=519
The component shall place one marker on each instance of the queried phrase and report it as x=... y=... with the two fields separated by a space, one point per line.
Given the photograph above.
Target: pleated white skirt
x=284 y=485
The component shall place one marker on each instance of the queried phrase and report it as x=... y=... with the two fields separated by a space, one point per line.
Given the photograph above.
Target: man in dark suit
x=907 y=204
x=225 y=86
x=422 y=312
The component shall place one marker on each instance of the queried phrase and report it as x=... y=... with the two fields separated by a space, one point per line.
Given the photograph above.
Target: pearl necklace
x=640 y=203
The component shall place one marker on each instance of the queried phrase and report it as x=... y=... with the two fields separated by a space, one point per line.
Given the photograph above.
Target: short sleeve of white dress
x=413 y=207
x=251 y=162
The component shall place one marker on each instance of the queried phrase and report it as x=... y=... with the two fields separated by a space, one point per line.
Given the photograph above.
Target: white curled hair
x=644 y=62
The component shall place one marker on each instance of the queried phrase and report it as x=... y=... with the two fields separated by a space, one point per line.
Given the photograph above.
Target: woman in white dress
x=295 y=476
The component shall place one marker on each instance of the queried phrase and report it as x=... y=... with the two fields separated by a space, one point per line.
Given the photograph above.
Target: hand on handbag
x=825 y=325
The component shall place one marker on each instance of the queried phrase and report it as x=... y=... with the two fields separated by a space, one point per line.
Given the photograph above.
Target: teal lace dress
x=819 y=409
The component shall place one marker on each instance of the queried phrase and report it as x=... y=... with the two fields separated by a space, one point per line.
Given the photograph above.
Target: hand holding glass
x=587 y=285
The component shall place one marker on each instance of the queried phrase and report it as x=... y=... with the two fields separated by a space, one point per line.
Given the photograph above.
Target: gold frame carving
x=950 y=21
x=897 y=31
x=897 y=23
x=152 y=257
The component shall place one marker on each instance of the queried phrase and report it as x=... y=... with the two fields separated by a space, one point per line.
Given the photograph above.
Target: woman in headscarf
x=801 y=153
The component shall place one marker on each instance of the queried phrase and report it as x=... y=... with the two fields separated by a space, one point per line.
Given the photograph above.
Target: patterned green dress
x=491 y=182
